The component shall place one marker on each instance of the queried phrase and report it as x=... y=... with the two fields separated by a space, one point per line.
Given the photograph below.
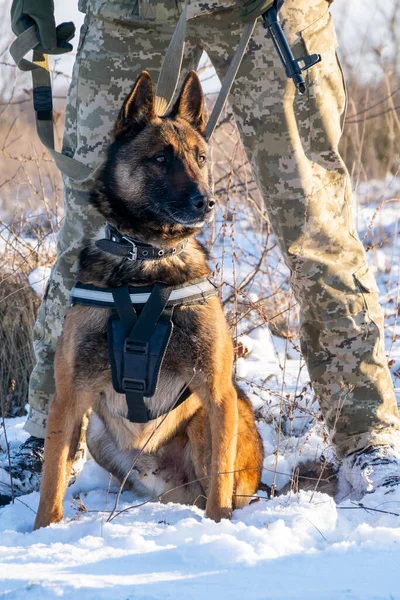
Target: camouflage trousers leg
x=292 y=143
x=111 y=54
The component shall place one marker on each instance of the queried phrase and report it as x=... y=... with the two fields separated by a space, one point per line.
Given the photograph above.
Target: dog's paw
x=217 y=513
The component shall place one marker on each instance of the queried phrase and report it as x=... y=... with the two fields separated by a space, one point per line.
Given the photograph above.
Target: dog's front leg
x=63 y=430
x=222 y=413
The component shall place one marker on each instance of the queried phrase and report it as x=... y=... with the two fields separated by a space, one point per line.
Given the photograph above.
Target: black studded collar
x=118 y=244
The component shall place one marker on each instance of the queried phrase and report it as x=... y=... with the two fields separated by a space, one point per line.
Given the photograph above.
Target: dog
x=155 y=186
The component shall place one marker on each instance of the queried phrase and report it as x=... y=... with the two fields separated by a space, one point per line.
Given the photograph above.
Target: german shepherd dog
x=155 y=186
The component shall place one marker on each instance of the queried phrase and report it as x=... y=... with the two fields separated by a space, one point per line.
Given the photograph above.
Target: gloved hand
x=53 y=40
x=253 y=9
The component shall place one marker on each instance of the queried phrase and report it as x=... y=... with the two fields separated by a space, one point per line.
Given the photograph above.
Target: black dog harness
x=139 y=330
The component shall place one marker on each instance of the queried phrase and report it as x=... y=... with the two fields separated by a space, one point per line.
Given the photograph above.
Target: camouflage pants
x=292 y=143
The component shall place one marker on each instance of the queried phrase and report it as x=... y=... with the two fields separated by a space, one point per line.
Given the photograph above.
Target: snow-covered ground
x=297 y=546
x=302 y=547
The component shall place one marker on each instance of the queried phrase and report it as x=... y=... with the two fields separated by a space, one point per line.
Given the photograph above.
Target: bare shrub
x=370 y=144
x=18 y=309
x=30 y=196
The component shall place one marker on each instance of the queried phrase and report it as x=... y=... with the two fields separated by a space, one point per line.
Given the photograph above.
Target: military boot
x=26 y=469
x=374 y=468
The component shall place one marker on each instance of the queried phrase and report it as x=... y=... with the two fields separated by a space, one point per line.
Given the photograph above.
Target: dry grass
x=18 y=307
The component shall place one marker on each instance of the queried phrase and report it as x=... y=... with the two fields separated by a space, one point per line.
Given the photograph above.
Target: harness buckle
x=132 y=253
x=133 y=347
x=133 y=385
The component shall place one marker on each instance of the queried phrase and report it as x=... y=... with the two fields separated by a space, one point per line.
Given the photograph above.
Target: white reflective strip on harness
x=194 y=289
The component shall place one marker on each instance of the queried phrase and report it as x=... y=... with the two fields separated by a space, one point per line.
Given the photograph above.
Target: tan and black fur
x=155 y=186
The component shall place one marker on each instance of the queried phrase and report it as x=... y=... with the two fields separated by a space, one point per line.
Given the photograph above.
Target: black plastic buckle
x=133 y=385
x=132 y=347
x=43 y=103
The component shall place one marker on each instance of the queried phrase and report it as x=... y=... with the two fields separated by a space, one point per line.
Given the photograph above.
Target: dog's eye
x=160 y=158
x=202 y=159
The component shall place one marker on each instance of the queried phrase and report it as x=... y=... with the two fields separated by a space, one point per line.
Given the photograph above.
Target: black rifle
x=293 y=66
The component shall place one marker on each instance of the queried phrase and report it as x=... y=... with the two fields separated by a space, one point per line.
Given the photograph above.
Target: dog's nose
x=202 y=203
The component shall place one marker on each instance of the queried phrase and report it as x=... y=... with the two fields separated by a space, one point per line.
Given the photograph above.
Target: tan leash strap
x=165 y=91
x=229 y=79
x=171 y=67
x=43 y=103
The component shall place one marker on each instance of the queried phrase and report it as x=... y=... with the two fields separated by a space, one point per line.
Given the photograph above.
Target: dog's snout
x=201 y=203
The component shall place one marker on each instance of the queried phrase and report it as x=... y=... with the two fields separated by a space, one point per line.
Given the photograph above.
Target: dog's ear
x=138 y=108
x=190 y=103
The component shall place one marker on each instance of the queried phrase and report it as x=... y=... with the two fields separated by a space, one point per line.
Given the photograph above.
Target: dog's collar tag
x=118 y=244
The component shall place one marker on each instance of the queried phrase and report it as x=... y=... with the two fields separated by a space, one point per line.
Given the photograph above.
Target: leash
x=167 y=81
x=43 y=102
x=172 y=65
x=165 y=90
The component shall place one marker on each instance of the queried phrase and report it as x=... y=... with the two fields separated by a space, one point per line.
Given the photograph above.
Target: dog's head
x=156 y=179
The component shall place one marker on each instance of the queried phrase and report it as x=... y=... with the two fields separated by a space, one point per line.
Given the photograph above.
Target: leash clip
x=132 y=253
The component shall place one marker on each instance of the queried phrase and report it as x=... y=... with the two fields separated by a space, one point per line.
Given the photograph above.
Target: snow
x=38 y=279
x=302 y=546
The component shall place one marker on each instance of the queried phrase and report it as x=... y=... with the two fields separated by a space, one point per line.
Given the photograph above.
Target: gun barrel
x=293 y=67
